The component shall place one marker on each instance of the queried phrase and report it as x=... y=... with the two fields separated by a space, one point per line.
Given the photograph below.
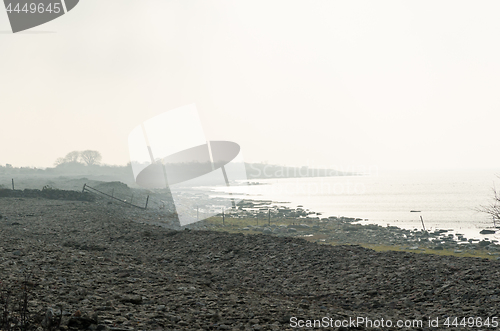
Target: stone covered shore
x=269 y=218
x=107 y=267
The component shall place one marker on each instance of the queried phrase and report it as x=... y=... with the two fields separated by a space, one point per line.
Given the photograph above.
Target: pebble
x=183 y=280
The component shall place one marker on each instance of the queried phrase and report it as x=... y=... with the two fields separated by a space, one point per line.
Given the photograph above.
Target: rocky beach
x=102 y=265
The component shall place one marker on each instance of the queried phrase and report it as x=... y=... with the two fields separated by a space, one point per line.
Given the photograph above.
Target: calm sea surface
x=445 y=199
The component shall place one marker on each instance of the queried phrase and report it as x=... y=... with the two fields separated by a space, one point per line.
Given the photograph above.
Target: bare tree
x=494 y=207
x=72 y=157
x=60 y=160
x=91 y=157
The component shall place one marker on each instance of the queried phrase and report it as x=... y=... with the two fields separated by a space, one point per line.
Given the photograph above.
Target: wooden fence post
x=422 y=222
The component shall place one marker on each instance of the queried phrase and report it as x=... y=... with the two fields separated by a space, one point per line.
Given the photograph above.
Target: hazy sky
x=400 y=84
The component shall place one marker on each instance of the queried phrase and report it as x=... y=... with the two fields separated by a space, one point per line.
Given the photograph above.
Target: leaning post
x=422 y=222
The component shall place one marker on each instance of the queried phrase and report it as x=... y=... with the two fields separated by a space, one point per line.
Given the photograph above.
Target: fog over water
x=445 y=199
x=351 y=85
x=394 y=84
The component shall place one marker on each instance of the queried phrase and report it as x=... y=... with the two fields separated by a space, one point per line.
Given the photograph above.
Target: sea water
x=446 y=199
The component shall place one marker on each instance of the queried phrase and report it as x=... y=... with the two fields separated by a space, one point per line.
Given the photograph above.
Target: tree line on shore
x=90 y=162
x=83 y=162
x=74 y=163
